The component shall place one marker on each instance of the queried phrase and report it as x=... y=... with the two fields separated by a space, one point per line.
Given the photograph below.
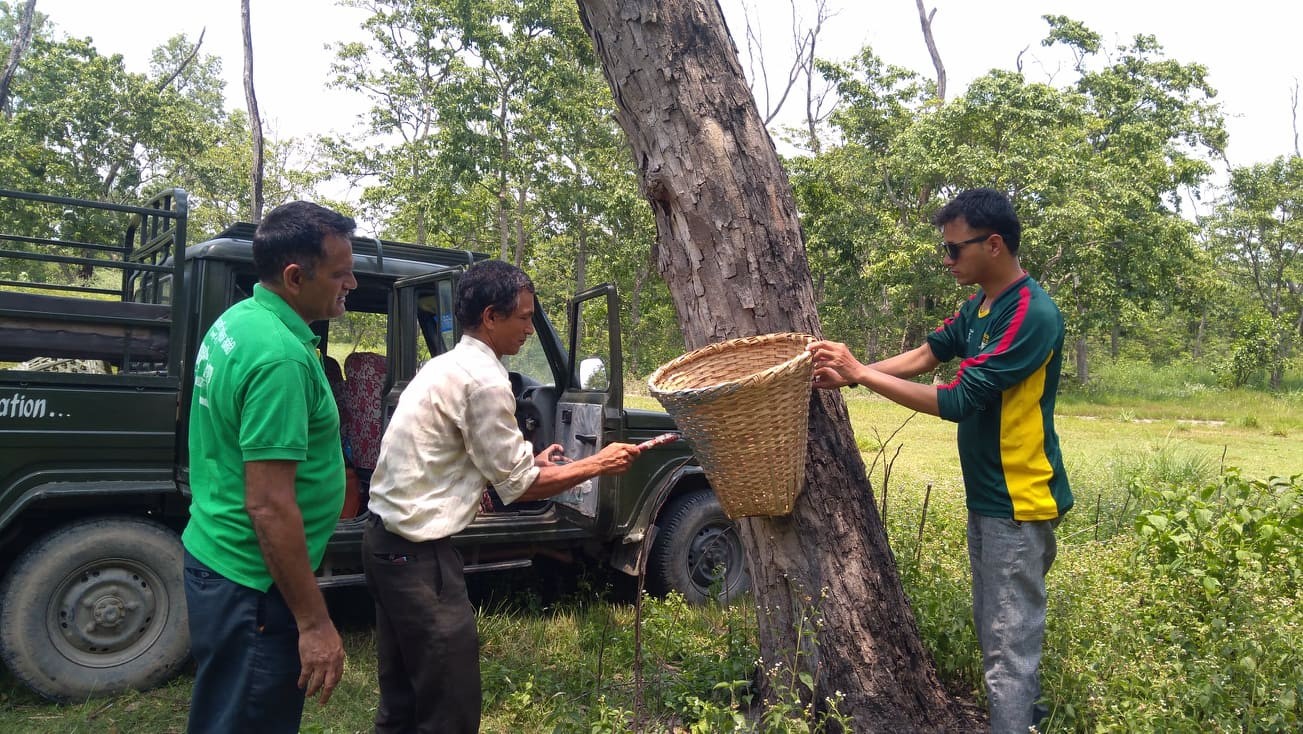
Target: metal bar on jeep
x=128 y=208
x=69 y=259
x=63 y=243
x=57 y=287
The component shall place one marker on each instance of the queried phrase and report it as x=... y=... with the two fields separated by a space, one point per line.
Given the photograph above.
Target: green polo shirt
x=1003 y=399
x=260 y=395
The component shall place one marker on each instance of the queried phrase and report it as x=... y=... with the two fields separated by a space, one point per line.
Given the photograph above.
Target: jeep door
x=589 y=411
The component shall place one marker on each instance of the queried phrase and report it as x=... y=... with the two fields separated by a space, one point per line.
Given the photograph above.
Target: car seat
x=363 y=414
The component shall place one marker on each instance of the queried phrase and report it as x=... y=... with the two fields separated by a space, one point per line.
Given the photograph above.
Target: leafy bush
x=1193 y=623
x=1254 y=351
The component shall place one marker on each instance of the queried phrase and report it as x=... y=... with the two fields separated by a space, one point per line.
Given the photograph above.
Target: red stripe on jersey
x=952 y=317
x=1024 y=300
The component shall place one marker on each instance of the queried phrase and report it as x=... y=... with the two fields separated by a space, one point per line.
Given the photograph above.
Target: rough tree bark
x=255 y=118
x=729 y=246
x=21 y=40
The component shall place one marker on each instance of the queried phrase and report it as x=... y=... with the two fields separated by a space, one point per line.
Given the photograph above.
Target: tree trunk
x=925 y=20
x=1198 y=336
x=255 y=119
x=422 y=230
x=581 y=251
x=21 y=40
x=1115 y=341
x=504 y=192
x=1083 y=371
x=729 y=246
x=522 y=198
x=635 y=319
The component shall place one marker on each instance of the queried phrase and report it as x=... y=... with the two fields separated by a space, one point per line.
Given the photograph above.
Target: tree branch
x=1293 y=110
x=255 y=117
x=925 y=20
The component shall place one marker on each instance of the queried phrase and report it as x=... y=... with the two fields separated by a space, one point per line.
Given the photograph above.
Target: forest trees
x=1098 y=169
x=490 y=129
x=1257 y=232
x=78 y=123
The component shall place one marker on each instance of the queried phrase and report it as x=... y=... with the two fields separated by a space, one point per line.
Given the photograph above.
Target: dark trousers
x=246 y=648
x=426 y=642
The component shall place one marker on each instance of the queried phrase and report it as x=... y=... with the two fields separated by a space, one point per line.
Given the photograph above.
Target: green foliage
x=1097 y=169
x=1256 y=349
x=1224 y=569
x=493 y=130
x=787 y=710
x=80 y=124
x=1256 y=234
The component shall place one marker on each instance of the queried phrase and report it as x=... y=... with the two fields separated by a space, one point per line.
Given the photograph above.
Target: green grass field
x=1149 y=629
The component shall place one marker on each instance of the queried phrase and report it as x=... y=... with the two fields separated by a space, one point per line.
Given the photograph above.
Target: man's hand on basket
x=834 y=366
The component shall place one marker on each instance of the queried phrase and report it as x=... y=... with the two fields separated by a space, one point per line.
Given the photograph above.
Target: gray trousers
x=1009 y=560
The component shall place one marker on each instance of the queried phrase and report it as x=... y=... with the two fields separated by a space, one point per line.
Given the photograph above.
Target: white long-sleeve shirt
x=454 y=430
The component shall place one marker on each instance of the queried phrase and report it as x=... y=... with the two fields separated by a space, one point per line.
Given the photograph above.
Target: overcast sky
x=1249 y=46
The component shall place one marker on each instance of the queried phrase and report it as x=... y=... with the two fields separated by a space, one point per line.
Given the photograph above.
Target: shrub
x=1193 y=623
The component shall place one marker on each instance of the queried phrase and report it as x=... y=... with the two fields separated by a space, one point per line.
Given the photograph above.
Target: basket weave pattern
x=743 y=404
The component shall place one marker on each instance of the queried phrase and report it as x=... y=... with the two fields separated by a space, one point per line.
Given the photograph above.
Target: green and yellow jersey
x=1003 y=400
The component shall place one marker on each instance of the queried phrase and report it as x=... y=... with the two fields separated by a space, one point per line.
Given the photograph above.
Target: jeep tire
x=94 y=608
x=697 y=551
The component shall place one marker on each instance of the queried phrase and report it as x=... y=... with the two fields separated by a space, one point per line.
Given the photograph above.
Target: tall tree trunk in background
x=635 y=317
x=422 y=230
x=21 y=41
x=504 y=191
x=1083 y=364
x=925 y=20
x=522 y=198
x=581 y=251
x=1197 y=350
x=255 y=119
x=1293 y=115
x=729 y=246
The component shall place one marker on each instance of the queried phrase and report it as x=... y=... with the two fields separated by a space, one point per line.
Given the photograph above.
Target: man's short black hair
x=294 y=233
x=489 y=283
x=984 y=210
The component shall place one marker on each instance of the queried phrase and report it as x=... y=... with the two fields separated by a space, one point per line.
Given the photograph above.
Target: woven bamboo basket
x=743 y=404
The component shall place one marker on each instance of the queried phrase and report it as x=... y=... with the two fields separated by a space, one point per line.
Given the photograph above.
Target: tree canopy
x=490 y=128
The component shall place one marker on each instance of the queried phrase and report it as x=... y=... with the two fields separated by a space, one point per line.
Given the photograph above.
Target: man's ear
x=292 y=277
x=997 y=240
x=488 y=317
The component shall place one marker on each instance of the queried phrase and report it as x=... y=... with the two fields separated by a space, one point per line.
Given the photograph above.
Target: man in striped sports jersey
x=1009 y=336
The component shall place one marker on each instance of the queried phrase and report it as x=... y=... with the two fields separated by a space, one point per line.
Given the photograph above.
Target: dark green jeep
x=101 y=309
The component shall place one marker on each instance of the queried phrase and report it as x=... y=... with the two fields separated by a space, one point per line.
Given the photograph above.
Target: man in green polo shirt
x=267 y=484
x=1009 y=335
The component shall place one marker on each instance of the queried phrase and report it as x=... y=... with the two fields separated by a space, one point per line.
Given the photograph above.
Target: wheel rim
x=714 y=557
x=107 y=613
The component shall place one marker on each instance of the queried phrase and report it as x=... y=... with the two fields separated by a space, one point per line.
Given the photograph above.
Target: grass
x=1134 y=643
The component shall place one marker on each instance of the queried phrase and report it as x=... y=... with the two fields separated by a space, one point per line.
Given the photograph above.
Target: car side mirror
x=592 y=374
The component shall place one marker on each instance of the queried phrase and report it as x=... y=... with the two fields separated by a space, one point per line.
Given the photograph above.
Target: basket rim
x=731 y=385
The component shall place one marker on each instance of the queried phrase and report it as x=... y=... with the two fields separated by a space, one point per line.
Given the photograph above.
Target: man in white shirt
x=454 y=430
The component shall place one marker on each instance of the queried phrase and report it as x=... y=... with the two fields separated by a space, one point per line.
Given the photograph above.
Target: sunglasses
x=951 y=249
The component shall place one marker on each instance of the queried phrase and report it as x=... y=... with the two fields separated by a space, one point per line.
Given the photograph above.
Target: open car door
x=421 y=326
x=590 y=408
